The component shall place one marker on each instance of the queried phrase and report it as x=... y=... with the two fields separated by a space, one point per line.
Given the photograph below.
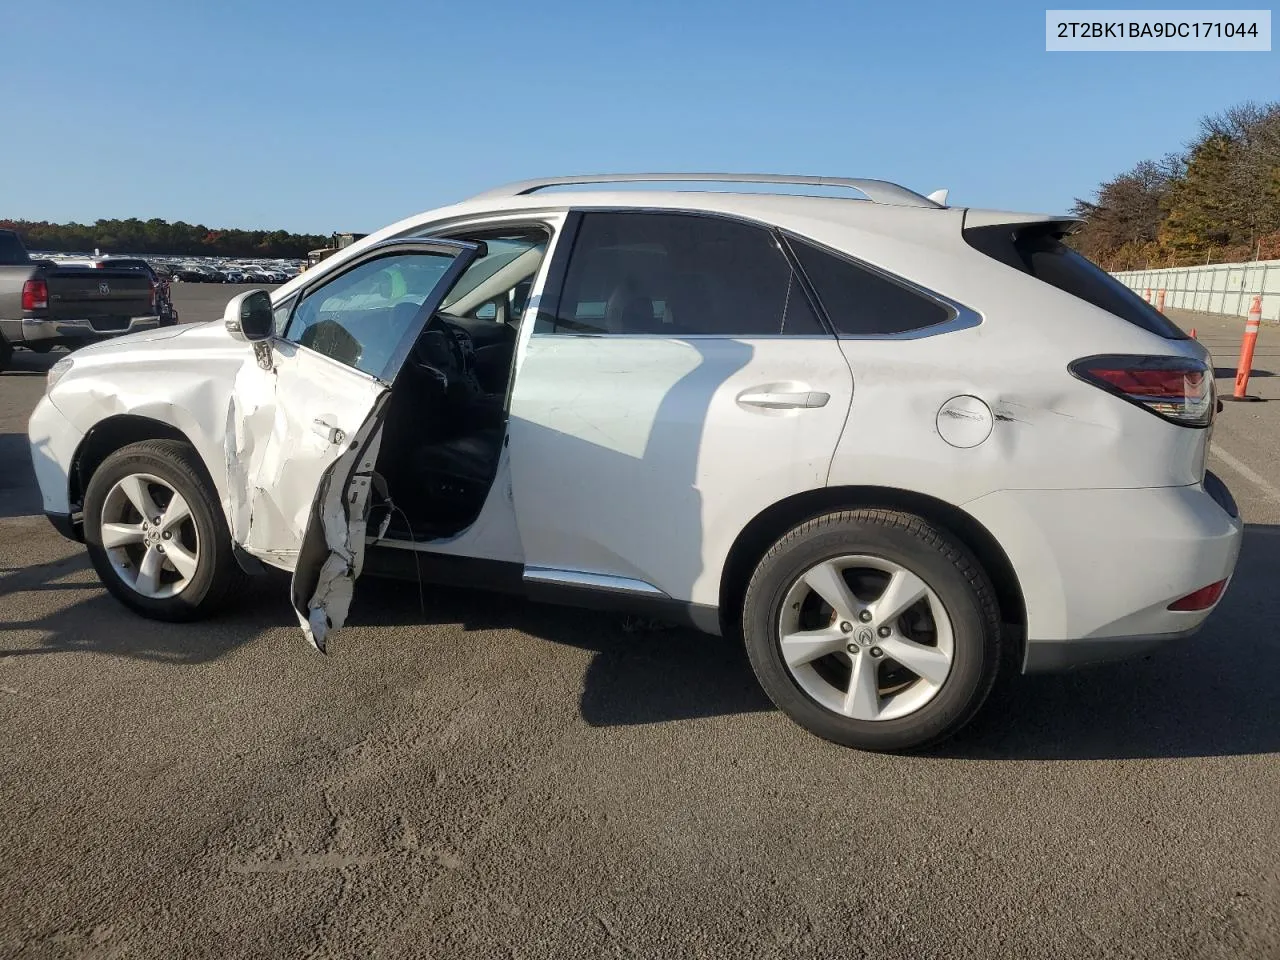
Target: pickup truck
x=44 y=304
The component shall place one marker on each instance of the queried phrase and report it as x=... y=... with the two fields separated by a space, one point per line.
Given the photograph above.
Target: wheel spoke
x=862 y=699
x=804 y=646
x=929 y=663
x=904 y=590
x=183 y=560
x=121 y=534
x=148 y=582
x=827 y=581
x=135 y=488
x=175 y=512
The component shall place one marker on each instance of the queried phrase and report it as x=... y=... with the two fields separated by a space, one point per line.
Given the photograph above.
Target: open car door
x=313 y=410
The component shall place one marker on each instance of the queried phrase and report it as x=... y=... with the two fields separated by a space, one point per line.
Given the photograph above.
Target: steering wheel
x=439 y=352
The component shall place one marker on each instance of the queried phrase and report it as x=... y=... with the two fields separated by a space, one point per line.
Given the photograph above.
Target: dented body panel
x=285 y=427
x=332 y=551
x=182 y=377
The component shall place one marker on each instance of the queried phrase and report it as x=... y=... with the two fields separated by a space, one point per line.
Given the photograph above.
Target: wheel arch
x=105 y=438
x=767 y=527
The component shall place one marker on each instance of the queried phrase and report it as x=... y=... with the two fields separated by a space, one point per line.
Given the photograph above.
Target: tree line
x=161 y=237
x=1218 y=201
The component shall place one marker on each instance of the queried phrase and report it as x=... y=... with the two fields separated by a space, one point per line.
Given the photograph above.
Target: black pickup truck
x=44 y=305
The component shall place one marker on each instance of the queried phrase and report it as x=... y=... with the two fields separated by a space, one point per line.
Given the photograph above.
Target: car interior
x=446 y=419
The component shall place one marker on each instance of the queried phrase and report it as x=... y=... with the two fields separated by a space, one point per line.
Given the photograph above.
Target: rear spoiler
x=997 y=233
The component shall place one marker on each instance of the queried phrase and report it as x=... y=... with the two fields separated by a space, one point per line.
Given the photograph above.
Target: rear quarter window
x=861 y=301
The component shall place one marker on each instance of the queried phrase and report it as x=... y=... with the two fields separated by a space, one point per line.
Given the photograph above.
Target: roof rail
x=877 y=191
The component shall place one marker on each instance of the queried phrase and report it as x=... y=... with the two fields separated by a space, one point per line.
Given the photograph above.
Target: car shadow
x=1229 y=373
x=643 y=671
x=1214 y=694
x=28 y=363
x=99 y=624
x=19 y=495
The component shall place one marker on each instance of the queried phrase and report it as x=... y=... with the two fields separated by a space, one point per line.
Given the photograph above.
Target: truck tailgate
x=83 y=293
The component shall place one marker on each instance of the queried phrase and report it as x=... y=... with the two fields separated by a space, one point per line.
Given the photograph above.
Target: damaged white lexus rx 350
x=893 y=444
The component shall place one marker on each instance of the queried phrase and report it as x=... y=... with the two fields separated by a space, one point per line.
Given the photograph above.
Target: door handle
x=327 y=430
x=784 y=400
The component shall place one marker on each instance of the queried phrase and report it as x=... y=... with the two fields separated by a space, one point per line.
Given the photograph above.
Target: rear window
x=1043 y=255
x=140 y=265
x=11 y=249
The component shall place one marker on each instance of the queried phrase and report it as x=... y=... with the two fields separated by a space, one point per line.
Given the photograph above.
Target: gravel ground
x=497 y=778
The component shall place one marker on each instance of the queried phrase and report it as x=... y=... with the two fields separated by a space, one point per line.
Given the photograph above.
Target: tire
x=197 y=587
x=951 y=633
x=6 y=354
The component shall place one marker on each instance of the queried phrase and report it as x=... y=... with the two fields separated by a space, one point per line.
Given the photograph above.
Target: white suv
x=889 y=442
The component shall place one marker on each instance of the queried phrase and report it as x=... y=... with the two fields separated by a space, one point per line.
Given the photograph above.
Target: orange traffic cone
x=1245 y=366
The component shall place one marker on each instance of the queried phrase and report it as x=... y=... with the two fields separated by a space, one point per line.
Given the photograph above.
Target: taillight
x=1177 y=389
x=35 y=295
x=1202 y=599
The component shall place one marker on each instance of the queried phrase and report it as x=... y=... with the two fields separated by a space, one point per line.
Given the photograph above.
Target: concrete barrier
x=1227 y=288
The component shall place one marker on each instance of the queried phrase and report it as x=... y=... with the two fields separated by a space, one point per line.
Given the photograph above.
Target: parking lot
x=496 y=778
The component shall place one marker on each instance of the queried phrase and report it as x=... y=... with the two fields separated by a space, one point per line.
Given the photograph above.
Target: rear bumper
x=1098 y=569
x=1055 y=656
x=29 y=331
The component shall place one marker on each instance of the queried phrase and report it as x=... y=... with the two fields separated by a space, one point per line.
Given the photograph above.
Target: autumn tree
x=1220 y=198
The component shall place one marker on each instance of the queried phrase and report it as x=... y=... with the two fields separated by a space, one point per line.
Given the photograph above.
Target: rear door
x=303 y=436
x=677 y=381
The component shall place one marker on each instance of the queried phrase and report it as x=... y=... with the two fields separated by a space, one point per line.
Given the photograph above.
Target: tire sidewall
x=210 y=530
x=976 y=649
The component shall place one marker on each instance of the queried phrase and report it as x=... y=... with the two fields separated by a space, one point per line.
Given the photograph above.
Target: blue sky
x=319 y=116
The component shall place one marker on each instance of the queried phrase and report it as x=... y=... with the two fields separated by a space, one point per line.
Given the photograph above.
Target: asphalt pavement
x=482 y=777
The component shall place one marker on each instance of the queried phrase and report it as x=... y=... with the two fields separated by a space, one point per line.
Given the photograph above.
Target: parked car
x=198 y=273
x=892 y=444
x=160 y=282
x=44 y=304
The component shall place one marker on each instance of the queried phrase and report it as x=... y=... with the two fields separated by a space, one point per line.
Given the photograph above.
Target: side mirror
x=249 y=316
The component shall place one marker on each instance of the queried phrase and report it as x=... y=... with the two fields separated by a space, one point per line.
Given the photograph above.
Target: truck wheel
x=6 y=354
x=156 y=532
x=873 y=629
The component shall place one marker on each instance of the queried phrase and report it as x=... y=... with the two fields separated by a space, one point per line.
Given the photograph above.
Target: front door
x=676 y=383
x=309 y=416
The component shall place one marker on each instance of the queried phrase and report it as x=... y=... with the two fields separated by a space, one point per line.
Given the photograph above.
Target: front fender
x=190 y=395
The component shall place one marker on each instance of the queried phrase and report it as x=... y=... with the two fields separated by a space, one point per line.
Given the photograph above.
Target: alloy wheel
x=865 y=637
x=150 y=536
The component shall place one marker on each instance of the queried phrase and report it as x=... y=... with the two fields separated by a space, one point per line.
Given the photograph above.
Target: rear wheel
x=873 y=629
x=156 y=532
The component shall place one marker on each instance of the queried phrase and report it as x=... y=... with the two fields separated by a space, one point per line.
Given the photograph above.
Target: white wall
x=1215 y=288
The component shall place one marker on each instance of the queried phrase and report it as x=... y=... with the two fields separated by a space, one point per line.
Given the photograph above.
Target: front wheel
x=873 y=629
x=156 y=532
